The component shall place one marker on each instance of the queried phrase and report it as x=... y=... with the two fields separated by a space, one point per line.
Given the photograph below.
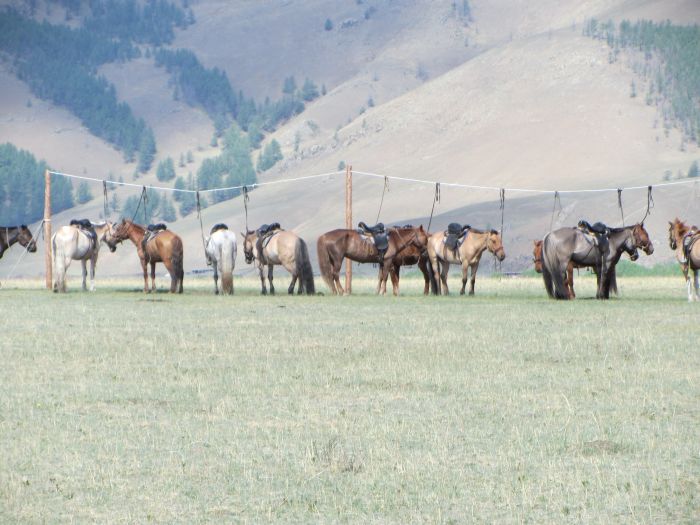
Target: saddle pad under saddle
x=380 y=240
x=454 y=241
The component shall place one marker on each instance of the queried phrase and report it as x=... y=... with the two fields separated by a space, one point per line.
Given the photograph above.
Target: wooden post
x=47 y=229
x=348 y=225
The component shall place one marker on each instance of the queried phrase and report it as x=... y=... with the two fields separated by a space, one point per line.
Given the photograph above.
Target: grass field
x=501 y=408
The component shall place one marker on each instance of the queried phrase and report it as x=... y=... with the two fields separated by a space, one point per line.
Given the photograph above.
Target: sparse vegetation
x=166 y=170
x=83 y=193
x=271 y=155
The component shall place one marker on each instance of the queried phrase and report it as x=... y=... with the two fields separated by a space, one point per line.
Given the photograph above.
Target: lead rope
x=557 y=203
x=386 y=188
x=650 y=203
x=502 y=206
x=246 y=198
x=201 y=226
x=619 y=204
x=104 y=193
x=436 y=199
x=26 y=249
x=144 y=195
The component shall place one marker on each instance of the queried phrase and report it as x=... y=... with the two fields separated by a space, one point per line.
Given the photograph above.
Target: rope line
x=201 y=226
x=388 y=177
x=557 y=202
x=650 y=204
x=246 y=198
x=381 y=202
x=104 y=192
x=436 y=199
x=619 y=204
x=26 y=249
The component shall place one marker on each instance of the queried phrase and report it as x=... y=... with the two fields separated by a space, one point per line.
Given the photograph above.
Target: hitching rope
x=26 y=249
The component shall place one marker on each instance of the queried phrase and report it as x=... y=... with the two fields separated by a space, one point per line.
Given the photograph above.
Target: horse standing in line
x=467 y=255
x=569 y=280
x=565 y=245
x=220 y=250
x=280 y=247
x=71 y=243
x=10 y=235
x=411 y=244
x=164 y=246
x=688 y=255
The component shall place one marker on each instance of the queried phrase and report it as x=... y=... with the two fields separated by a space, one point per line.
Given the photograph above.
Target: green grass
x=501 y=408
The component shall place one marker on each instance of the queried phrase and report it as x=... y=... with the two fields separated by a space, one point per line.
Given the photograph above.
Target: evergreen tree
x=83 y=194
x=147 y=151
x=693 y=171
x=166 y=170
x=290 y=86
x=272 y=153
x=167 y=210
x=309 y=91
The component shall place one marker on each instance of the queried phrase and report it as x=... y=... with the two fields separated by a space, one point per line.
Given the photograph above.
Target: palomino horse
x=411 y=244
x=336 y=245
x=569 y=280
x=70 y=243
x=165 y=247
x=565 y=245
x=9 y=235
x=280 y=247
x=220 y=250
x=468 y=256
x=677 y=233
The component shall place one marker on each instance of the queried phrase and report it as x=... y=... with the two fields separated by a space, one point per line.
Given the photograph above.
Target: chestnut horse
x=677 y=233
x=468 y=256
x=569 y=280
x=412 y=253
x=336 y=245
x=165 y=247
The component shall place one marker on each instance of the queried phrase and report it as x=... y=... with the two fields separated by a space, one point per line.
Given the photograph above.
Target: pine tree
x=83 y=193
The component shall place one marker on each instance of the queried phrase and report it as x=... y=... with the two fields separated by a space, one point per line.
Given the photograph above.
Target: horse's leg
x=144 y=265
x=269 y=278
x=93 y=264
x=263 y=289
x=83 y=264
x=395 y=277
x=696 y=285
x=570 y=281
x=423 y=266
x=443 y=277
x=290 y=290
x=153 y=276
x=215 y=265
x=472 y=281
x=465 y=277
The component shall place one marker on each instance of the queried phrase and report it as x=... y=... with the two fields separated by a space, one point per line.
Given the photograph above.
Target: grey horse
x=600 y=252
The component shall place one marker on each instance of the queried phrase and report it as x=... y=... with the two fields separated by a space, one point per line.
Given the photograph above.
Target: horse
x=411 y=244
x=565 y=245
x=71 y=243
x=10 y=235
x=334 y=246
x=165 y=247
x=569 y=280
x=280 y=247
x=467 y=255
x=220 y=250
x=677 y=233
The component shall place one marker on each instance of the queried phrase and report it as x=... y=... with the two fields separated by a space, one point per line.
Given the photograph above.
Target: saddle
x=267 y=229
x=455 y=235
x=151 y=231
x=85 y=225
x=265 y=233
x=379 y=237
x=217 y=227
x=596 y=229
x=689 y=239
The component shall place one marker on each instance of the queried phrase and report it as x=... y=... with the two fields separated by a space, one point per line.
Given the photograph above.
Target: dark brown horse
x=336 y=245
x=413 y=253
x=165 y=247
x=10 y=235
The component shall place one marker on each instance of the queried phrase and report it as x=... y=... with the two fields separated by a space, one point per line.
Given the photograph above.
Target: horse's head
x=118 y=232
x=537 y=255
x=24 y=237
x=641 y=239
x=109 y=237
x=249 y=239
x=420 y=238
x=676 y=230
x=495 y=245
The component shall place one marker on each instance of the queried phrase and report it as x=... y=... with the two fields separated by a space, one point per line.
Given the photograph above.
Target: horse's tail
x=59 y=265
x=325 y=264
x=612 y=283
x=176 y=259
x=433 y=279
x=552 y=271
x=227 y=256
x=303 y=266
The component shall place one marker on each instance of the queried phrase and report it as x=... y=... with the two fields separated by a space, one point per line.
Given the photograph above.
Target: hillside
x=528 y=102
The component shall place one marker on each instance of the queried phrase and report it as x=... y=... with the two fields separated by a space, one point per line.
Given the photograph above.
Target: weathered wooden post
x=348 y=225
x=47 y=229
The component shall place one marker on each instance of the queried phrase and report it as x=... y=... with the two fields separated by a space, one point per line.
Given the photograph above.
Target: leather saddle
x=596 y=229
x=689 y=239
x=455 y=235
x=265 y=233
x=86 y=226
x=217 y=227
x=267 y=229
x=151 y=231
x=379 y=237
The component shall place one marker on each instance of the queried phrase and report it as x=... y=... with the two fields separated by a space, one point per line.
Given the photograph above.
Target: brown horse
x=679 y=234
x=413 y=253
x=468 y=256
x=10 y=235
x=336 y=245
x=165 y=247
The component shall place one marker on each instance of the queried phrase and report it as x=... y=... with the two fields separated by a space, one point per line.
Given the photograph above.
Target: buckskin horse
x=467 y=255
x=569 y=280
x=280 y=247
x=564 y=245
x=72 y=243
x=220 y=249
x=683 y=239
x=165 y=247
x=411 y=248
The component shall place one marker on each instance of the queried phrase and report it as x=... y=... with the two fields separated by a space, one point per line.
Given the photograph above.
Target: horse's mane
x=478 y=231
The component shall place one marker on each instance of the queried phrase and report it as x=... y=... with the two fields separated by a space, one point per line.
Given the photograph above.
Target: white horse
x=71 y=243
x=220 y=249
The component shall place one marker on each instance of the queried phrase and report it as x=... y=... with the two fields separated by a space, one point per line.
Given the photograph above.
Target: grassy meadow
x=506 y=407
